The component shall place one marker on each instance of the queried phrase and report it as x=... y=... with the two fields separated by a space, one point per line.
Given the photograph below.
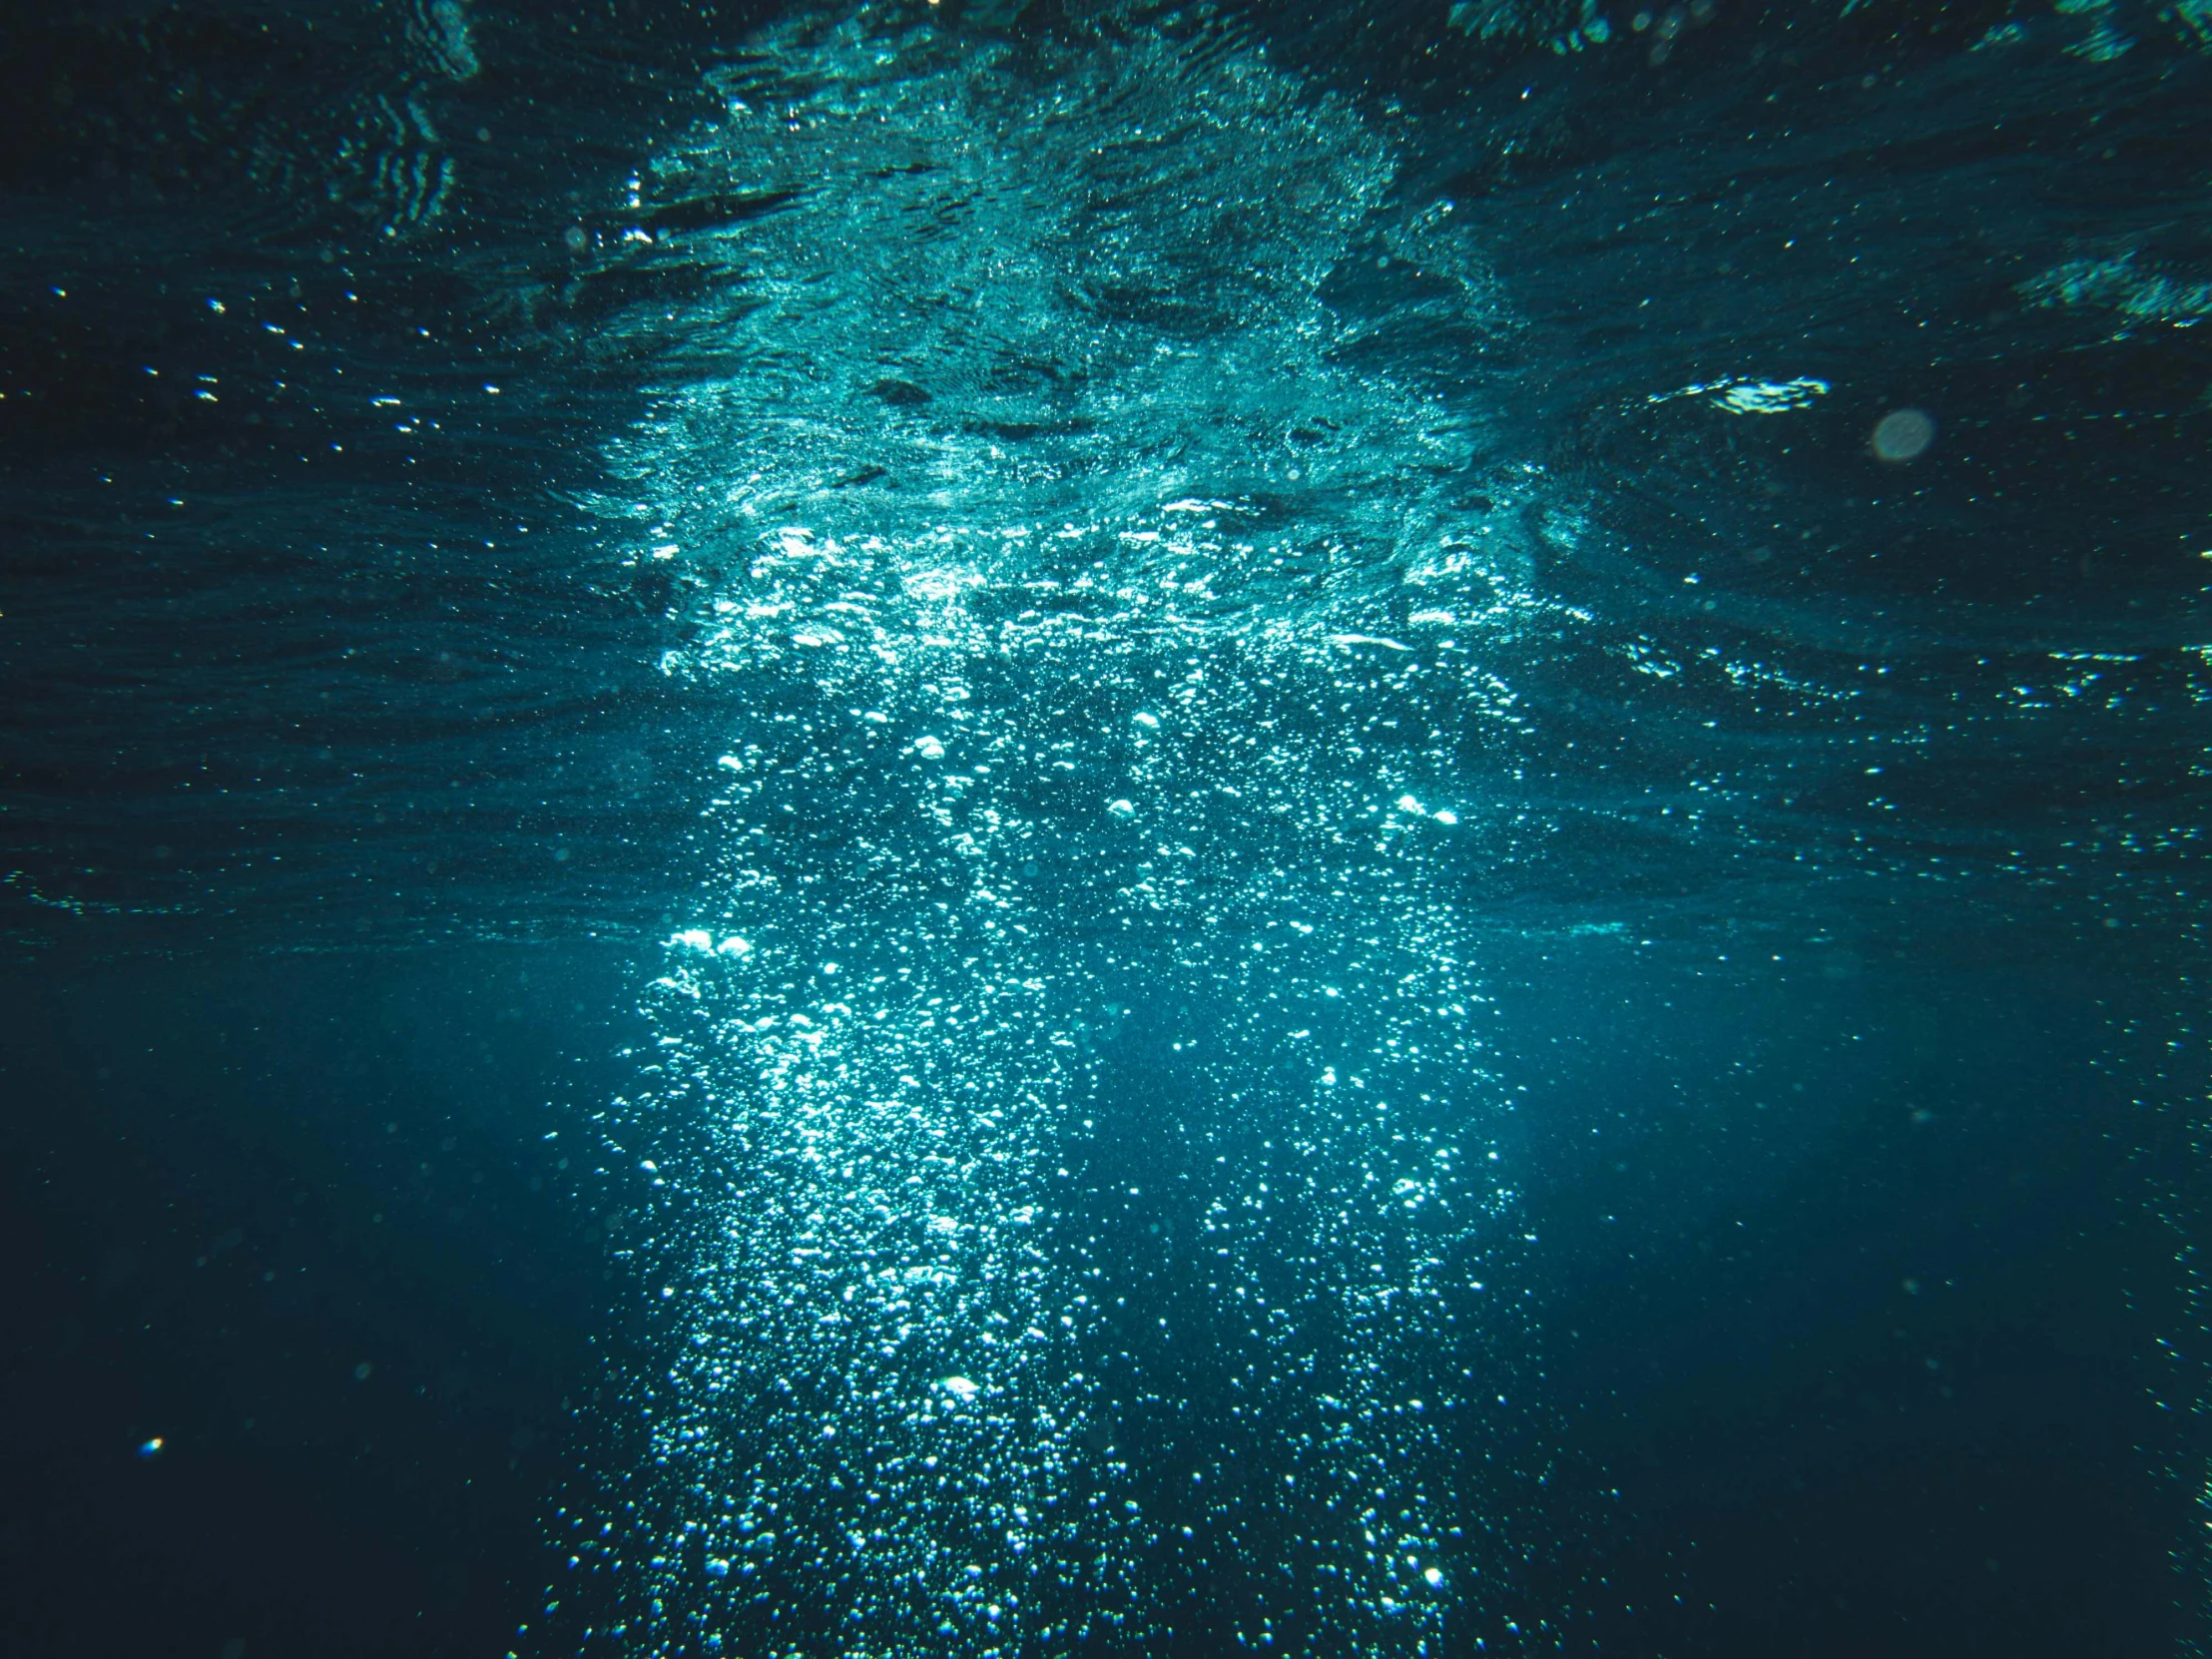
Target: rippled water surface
x=1363 y=830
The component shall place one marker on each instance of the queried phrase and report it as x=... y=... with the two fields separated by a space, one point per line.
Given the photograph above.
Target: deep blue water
x=1064 y=829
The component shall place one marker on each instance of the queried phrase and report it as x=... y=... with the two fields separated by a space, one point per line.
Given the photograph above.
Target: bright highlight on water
x=931 y=1386
x=1090 y=828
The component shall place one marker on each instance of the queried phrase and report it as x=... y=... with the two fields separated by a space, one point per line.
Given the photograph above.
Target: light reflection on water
x=1088 y=1137
x=1142 y=579
x=1087 y=1202
x=899 y=1331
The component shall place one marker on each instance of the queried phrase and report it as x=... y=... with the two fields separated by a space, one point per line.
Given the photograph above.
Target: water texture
x=1401 y=803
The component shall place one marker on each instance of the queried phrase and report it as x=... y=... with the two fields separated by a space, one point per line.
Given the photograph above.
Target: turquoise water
x=1361 y=831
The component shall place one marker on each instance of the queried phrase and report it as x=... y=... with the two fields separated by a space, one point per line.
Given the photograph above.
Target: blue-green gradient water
x=1109 y=829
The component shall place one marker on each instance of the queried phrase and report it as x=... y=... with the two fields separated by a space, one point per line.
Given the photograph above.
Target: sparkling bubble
x=895 y=1171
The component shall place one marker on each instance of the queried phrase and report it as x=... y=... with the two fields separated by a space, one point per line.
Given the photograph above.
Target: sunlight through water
x=1082 y=1189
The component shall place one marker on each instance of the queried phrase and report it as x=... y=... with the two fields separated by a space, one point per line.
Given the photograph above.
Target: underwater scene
x=998 y=829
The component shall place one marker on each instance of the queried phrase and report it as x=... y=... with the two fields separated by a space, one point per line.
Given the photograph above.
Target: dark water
x=1010 y=830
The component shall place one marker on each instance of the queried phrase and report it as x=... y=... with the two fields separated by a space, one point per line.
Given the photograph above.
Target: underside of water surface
x=1107 y=827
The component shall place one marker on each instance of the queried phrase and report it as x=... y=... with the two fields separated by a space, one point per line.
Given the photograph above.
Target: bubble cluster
x=1085 y=1221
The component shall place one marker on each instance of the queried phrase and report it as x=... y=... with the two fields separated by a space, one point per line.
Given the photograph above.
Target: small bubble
x=1903 y=435
x=361 y=1370
x=576 y=237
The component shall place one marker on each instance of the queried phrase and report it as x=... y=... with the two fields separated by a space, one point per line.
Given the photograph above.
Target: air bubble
x=1903 y=435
